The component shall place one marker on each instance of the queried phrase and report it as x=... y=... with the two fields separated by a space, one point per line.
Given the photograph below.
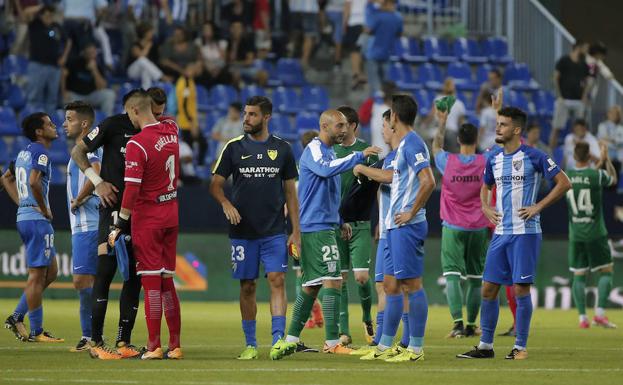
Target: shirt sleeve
x=418 y=158
x=604 y=179
x=325 y=169
x=96 y=137
x=289 y=170
x=224 y=164
x=93 y=157
x=441 y=160
x=40 y=161
x=488 y=178
x=135 y=159
x=544 y=164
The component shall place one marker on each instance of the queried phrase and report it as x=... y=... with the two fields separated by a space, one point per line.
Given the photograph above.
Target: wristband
x=93 y=177
x=122 y=224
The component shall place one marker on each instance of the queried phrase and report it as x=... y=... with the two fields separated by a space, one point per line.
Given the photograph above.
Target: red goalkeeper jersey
x=152 y=161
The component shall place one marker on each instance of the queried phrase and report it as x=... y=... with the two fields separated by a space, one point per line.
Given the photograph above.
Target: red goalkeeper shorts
x=155 y=250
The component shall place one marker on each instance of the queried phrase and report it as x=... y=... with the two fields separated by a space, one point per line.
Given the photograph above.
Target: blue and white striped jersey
x=411 y=157
x=86 y=217
x=384 y=196
x=517 y=177
x=319 y=185
x=33 y=157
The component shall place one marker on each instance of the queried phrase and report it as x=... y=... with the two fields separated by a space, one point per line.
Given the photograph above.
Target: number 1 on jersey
x=170 y=167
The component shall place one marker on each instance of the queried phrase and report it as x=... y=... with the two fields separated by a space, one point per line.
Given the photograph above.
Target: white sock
x=290 y=338
x=87 y=338
x=583 y=318
x=382 y=347
x=331 y=343
x=600 y=312
x=519 y=347
x=485 y=346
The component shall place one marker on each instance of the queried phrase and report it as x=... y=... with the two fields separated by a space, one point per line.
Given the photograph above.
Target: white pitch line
x=39 y=379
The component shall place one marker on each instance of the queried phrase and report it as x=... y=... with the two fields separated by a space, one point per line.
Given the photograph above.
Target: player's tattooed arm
x=105 y=190
x=292 y=205
x=37 y=192
x=7 y=180
x=217 y=191
x=438 y=141
x=490 y=212
x=86 y=192
x=427 y=185
x=376 y=174
x=562 y=184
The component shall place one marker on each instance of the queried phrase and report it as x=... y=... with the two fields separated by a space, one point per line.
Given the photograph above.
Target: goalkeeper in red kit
x=150 y=202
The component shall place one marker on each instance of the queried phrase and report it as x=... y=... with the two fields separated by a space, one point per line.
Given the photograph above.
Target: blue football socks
x=85 y=311
x=248 y=327
x=21 y=309
x=278 y=327
x=524 y=315
x=418 y=314
x=489 y=313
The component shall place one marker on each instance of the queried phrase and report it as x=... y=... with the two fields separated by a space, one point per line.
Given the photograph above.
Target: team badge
x=517 y=164
x=272 y=154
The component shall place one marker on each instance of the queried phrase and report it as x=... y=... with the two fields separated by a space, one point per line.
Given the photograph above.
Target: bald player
x=319 y=197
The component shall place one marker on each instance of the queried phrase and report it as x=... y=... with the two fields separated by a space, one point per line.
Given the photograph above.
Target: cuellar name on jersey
x=164 y=140
x=259 y=172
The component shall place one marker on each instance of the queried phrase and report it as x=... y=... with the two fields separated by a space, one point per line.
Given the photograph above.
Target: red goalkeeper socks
x=153 y=308
x=512 y=303
x=171 y=306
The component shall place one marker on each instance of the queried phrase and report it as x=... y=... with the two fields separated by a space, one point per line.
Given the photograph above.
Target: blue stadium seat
x=124 y=89
x=558 y=155
x=290 y=72
x=59 y=152
x=517 y=99
x=166 y=86
x=58 y=117
x=4 y=153
x=438 y=50
x=8 y=122
x=424 y=101
x=99 y=116
x=314 y=98
x=462 y=75
x=518 y=77
x=279 y=124
x=496 y=48
x=482 y=73
x=546 y=127
x=402 y=75
x=306 y=121
x=210 y=120
x=468 y=99
x=59 y=175
x=399 y=50
x=297 y=149
x=16 y=98
x=273 y=80
x=430 y=75
x=469 y=51
x=18 y=145
x=544 y=103
x=29 y=109
x=472 y=117
x=286 y=100
x=414 y=53
x=15 y=65
x=203 y=98
x=251 y=90
x=221 y=96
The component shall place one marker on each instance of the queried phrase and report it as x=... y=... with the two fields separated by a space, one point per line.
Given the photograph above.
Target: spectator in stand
x=188 y=174
x=143 y=56
x=22 y=12
x=241 y=56
x=173 y=13
x=595 y=55
x=491 y=87
x=353 y=19
x=236 y=11
x=571 y=85
x=580 y=133
x=455 y=118
x=261 y=27
x=214 y=68
x=533 y=138
x=611 y=132
x=85 y=81
x=227 y=127
x=335 y=14
x=82 y=26
x=179 y=56
x=188 y=116
x=488 y=121
x=279 y=26
x=49 y=49
x=304 y=19
x=371 y=112
x=384 y=25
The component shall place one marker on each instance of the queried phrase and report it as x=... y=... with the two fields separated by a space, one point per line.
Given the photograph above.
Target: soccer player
x=464 y=233
x=264 y=173
x=29 y=189
x=83 y=207
x=355 y=251
x=112 y=134
x=588 y=237
x=412 y=182
x=150 y=198
x=319 y=194
x=516 y=170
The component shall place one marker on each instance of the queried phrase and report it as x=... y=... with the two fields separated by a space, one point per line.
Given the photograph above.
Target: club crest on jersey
x=272 y=154
x=517 y=164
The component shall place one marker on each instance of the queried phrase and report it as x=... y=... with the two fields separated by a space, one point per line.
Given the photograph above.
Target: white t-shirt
x=613 y=133
x=457 y=111
x=357 y=12
x=569 y=147
x=188 y=168
x=376 y=127
x=488 y=121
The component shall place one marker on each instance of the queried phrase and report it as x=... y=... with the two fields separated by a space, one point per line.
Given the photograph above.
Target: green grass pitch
x=560 y=353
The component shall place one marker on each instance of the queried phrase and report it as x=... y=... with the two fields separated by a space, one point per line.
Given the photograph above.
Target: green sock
x=321 y=294
x=455 y=297
x=578 y=288
x=343 y=309
x=300 y=313
x=365 y=294
x=603 y=289
x=331 y=311
x=473 y=299
x=298 y=287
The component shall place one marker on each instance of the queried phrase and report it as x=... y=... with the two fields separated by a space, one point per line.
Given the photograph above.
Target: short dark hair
x=266 y=106
x=518 y=117
x=496 y=71
x=47 y=8
x=236 y=106
x=578 y=43
x=532 y=126
x=130 y=94
x=405 y=108
x=81 y=108
x=387 y=114
x=142 y=29
x=32 y=123
x=581 y=151
x=351 y=115
x=307 y=137
x=158 y=95
x=468 y=133
x=580 y=122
